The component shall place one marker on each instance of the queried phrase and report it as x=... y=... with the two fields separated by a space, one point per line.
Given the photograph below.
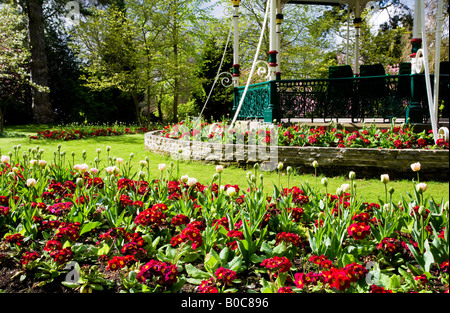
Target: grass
x=122 y=146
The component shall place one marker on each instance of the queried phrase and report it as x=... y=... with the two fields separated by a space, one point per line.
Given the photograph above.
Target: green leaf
x=89 y=226
x=70 y=284
x=212 y=261
x=224 y=255
x=104 y=250
x=195 y=272
x=347 y=259
x=394 y=282
x=236 y=264
x=280 y=249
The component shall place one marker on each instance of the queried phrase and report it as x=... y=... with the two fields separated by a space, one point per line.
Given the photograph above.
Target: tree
x=148 y=50
x=41 y=105
x=14 y=58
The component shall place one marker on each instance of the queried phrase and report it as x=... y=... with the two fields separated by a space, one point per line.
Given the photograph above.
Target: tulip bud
x=421 y=187
x=256 y=166
x=280 y=166
x=231 y=191
x=345 y=187
x=12 y=176
x=352 y=175
x=289 y=170
x=215 y=176
x=324 y=181
x=385 y=178
x=219 y=168
x=415 y=167
x=162 y=167
x=184 y=178
x=315 y=164
x=391 y=190
x=80 y=182
x=31 y=182
x=422 y=210
x=191 y=181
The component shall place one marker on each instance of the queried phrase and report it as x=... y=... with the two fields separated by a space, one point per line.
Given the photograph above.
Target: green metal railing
x=357 y=98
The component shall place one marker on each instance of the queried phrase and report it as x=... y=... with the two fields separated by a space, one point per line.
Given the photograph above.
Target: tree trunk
x=136 y=107
x=42 y=109
x=159 y=102
x=176 y=86
x=177 y=70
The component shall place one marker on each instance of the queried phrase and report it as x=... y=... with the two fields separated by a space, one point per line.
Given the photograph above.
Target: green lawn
x=123 y=146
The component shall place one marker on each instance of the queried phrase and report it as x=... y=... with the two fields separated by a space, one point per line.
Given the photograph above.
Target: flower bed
x=369 y=136
x=72 y=228
x=72 y=132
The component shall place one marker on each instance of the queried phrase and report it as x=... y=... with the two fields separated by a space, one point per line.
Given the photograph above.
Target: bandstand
x=358 y=93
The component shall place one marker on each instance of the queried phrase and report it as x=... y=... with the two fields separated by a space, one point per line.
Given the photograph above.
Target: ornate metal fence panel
x=358 y=98
x=256 y=100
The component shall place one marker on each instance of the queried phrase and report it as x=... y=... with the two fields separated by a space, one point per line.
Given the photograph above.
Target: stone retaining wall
x=332 y=161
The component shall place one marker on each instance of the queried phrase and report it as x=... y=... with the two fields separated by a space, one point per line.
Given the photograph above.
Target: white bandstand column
x=357 y=23
x=273 y=40
x=279 y=20
x=236 y=65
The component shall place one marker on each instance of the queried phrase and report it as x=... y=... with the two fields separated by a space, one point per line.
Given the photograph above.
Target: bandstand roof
x=351 y=3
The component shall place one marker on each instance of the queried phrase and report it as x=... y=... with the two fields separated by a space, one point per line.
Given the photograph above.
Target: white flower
x=344 y=187
x=109 y=170
x=84 y=167
x=31 y=182
x=191 y=181
x=421 y=187
x=42 y=163
x=352 y=175
x=93 y=171
x=184 y=178
x=324 y=181
x=219 y=168
x=385 y=178
x=119 y=160
x=76 y=167
x=280 y=166
x=33 y=162
x=143 y=163
x=231 y=191
x=415 y=167
x=5 y=159
x=315 y=164
x=162 y=167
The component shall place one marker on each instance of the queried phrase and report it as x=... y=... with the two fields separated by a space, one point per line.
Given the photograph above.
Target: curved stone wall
x=332 y=161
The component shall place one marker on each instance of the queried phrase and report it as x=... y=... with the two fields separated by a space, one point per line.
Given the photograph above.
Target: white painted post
x=273 y=40
x=437 y=57
x=357 y=24
x=236 y=65
x=279 y=20
x=348 y=36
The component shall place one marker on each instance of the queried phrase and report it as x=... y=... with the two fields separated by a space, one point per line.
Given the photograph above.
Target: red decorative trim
x=236 y=75
x=273 y=64
x=416 y=40
x=272 y=52
x=236 y=65
x=412 y=55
